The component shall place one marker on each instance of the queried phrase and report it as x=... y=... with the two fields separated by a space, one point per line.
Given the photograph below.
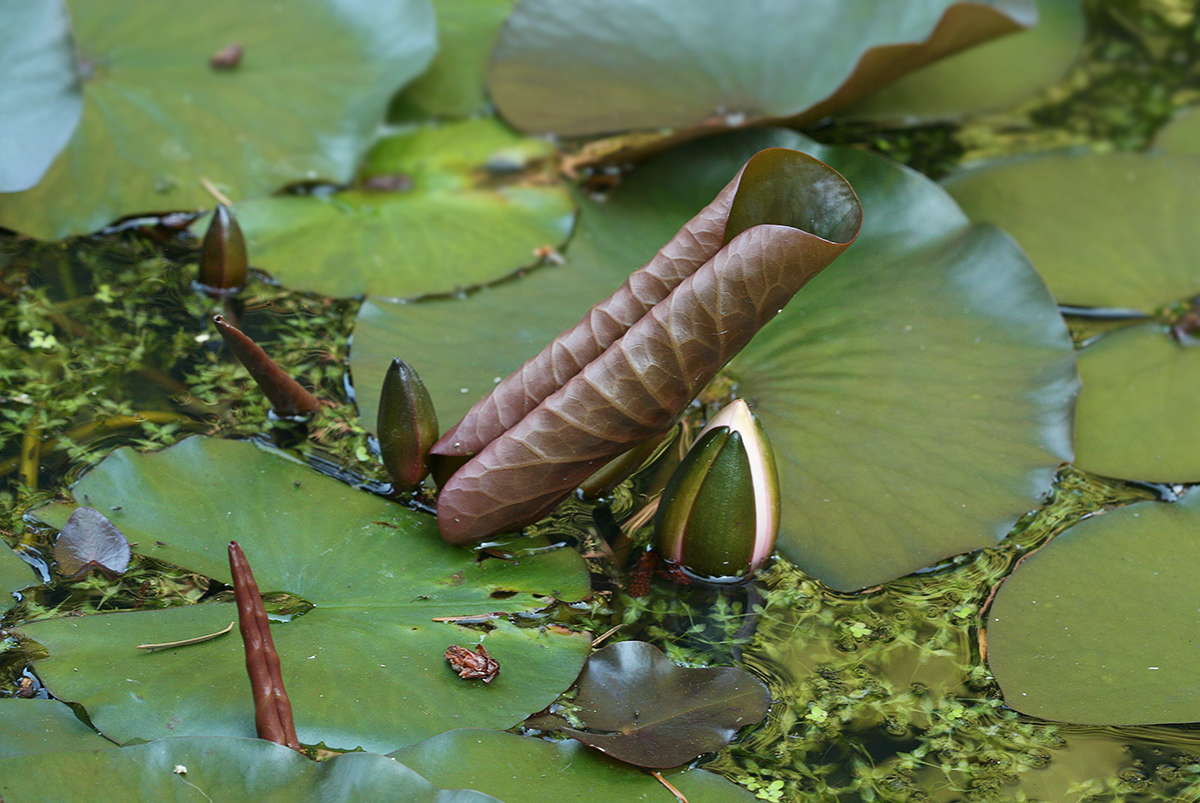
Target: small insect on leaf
x=473 y=665
x=90 y=542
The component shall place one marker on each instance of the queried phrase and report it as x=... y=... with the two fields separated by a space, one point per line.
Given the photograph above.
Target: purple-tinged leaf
x=638 y=706
x=90 y=542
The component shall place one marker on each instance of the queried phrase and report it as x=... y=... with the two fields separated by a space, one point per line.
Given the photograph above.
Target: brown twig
x=678 y=795
x=272 y=709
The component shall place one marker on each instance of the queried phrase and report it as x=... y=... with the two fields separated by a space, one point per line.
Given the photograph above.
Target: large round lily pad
x=1113 y=231
x=918 y=392
x=303 y=103
x=597 y=66
x=994 y=75
x=1098 y=627
x=363 y=668
x=216 y=769
x=39 y=90
x=458 y=220
x=516 y=769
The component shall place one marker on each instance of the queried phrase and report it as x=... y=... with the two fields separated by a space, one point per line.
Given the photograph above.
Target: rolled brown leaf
x=287 y=396
x=633 y=364
x=272 y=709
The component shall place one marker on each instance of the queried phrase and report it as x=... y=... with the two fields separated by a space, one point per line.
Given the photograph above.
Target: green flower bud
x=719 y=513
x=407 y=426
x=223 y=259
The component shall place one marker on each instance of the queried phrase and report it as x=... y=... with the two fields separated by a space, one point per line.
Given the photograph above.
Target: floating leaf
x=917 y=393
x=304 y=102
x=459 y=221
x=626 y=371
x=1097 y=626
x=217 y=769
x=39 y=90
x=636 y=705
x=453 y=84
x=995 y=75
x=364 y=667
x=598 y=66
x=88 y=542
x=1113 y=231
x=15 y=574
x=517 y=769
x=1181 y=135
x=43 y=726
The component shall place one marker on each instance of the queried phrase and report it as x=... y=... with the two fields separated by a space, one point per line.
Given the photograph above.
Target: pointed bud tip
x=406 y=425
x=224 y=263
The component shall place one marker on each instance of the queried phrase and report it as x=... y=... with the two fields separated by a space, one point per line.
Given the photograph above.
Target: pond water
x=879 y=695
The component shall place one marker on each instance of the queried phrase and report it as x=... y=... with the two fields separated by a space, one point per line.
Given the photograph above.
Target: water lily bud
x=223 y=260
x=407 y=425
x=720 y=510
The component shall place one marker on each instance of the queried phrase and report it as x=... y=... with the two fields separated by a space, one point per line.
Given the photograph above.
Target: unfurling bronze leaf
x=627 y=370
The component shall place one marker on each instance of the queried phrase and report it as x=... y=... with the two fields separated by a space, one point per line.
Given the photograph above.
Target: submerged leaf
x=625 y=372
x=88 y=542
x=599 y=66
x=637 y=705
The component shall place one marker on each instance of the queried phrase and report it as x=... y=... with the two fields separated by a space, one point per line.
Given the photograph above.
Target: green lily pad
x=994 y=75
x=517 y=769
x=637 y=705
x=363 y=668
x=918 y=392
x=1136 y=416
x=39 y=91
x=43 y=726
x=1097 y=627
x=1114 y=231
x=15 y=574
x=1104 y=230
x=452 y=87
x=1181 y=135
x=303 y=103
x=458 y=224
x=216 y=769
x=602 y=66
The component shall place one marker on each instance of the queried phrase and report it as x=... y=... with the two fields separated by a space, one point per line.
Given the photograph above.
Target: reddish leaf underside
x=627 y=370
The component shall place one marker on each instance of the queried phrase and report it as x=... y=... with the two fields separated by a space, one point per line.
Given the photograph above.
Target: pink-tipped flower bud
x=719 y=514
